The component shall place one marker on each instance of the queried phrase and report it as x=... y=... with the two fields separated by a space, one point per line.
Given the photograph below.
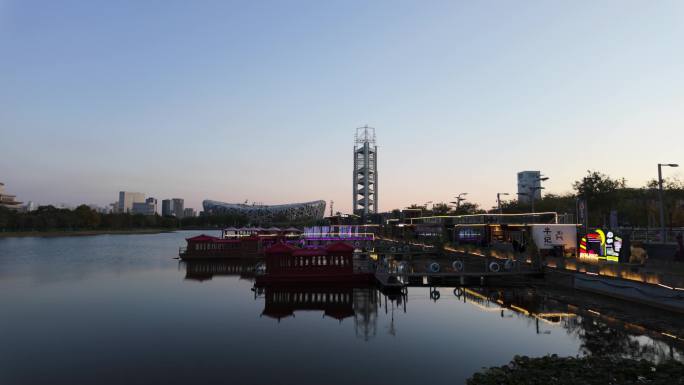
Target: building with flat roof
x=529 y=186
x=8 y=201
x=178 y=205
x=126 y=200
x=173 y=207
x=166 y=208
x=149 y=207
x=189 y=212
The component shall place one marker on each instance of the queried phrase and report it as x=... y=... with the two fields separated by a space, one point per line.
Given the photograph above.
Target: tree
x=673 y=196
x=467 y=208
x=600 y=192
x=86 y=217
x=440 y=209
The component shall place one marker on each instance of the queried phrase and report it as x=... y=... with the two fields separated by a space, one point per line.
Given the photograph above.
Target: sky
x=259 y=100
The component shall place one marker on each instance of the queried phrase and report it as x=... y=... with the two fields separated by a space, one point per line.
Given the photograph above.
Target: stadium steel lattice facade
x=268 y=213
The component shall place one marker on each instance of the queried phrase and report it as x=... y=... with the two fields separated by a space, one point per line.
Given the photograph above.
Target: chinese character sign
x=549 y=236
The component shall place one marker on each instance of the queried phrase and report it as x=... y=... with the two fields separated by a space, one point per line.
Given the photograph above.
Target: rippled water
x=118 y=309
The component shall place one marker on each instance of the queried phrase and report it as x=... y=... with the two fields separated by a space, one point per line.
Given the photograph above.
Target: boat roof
x=309 y=252
x=202 y=237
x=340 y=247
x=280 y=248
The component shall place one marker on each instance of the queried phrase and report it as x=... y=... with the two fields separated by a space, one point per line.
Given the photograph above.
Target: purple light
x=340 y=239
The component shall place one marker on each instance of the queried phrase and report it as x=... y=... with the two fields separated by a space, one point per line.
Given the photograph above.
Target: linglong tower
x=365 y=172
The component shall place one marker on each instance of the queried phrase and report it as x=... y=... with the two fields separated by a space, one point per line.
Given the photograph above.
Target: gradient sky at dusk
x=259 y=100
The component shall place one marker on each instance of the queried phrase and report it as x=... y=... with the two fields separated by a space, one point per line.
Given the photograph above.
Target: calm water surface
x=118 y=309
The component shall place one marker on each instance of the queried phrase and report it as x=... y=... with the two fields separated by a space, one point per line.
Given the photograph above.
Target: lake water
x=119 y=309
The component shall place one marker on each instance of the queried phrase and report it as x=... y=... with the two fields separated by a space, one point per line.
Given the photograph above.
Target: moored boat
x=246 y=242
x=334 y=263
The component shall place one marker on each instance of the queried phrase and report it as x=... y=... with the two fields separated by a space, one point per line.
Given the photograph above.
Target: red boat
x=335 y=263
x=236 y=243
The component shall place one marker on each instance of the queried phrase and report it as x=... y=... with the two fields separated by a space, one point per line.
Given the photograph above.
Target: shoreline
x=81 y=233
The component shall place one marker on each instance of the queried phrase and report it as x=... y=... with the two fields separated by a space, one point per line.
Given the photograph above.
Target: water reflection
x=206 y=270
x=598 y=334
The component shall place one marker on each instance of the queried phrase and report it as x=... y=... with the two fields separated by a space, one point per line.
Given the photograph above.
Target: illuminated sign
x=553 y=235
x=601 y=245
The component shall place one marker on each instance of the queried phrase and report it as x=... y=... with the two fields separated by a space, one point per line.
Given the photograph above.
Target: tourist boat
x=245 y=242
x=334 y=263
x=249 y=242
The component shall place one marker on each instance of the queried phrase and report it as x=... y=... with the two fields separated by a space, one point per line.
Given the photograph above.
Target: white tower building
x=365 y=172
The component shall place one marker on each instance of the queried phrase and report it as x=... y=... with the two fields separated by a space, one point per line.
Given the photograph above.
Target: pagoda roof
x=280 y=248
x=202 y=238
x=310 y=252
x=339 y=313
x=277 y=313
x=340 y=247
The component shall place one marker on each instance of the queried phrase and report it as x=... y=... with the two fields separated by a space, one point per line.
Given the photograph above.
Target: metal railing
x=652 y=234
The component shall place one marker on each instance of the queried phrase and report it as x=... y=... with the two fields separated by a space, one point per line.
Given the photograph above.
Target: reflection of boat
x=334 y=263
x=360 y=303
x=206 y=270
x=283 y=301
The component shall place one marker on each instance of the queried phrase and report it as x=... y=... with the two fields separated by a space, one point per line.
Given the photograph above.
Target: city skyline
x=238 y=101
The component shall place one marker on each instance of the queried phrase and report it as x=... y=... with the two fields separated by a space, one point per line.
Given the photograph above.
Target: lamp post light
x=534 y=189
x=498 y=201
x=663 y=233
x=459 y=199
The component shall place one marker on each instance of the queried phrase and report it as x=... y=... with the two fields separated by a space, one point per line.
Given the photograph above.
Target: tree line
x=83 y=218
x=635 y=206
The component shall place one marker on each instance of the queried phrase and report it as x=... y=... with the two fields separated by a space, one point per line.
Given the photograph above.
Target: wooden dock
x=388 y=281
x=394 y=281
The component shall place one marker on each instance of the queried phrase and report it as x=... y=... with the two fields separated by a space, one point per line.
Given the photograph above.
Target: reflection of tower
x=365 y=312
x=365 y=172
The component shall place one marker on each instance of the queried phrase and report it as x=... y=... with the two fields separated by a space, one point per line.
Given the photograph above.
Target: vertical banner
x=613 y=219
x=583 y=214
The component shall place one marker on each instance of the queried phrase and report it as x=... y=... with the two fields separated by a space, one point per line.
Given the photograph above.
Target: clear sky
x=259 y=100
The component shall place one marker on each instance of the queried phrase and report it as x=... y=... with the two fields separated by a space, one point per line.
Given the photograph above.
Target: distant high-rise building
x=30 y=206
x=173 y=207
x=126 y=200
x=149 y=207
x=365 y=172
x=167 y=208
x=189 y=213
x=529 y=183
x=178 y=207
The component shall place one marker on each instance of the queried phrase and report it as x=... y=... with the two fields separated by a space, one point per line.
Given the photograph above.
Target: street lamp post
x=426 y=207
x=663 y=233
x=459 y=199
x=534 y=189
x=532 y=194
x=498 y=201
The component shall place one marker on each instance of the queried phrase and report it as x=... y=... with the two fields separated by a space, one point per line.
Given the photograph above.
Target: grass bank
x=583 y=370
